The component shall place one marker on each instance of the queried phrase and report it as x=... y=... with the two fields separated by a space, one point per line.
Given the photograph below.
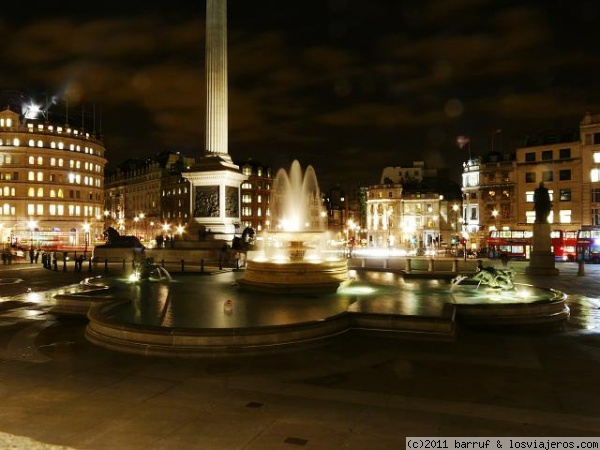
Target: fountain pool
x=193 y=316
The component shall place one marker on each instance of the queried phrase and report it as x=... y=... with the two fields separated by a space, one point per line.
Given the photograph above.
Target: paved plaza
x=59 y=391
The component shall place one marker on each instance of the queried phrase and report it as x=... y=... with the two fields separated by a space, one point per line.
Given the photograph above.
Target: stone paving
x=59 y=391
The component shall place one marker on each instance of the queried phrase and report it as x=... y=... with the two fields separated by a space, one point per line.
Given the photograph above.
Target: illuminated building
x=498 y=187
x=412 y=208
x=51 y=182
x=142 y=195
x=255 y=193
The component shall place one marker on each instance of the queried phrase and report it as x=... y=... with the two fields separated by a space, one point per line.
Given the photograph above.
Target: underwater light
x=358 y=290
x=134 y=277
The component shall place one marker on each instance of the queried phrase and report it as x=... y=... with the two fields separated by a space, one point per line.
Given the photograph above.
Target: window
x=564 y=175
x=547 y=155
x=564 y=153
x=594 y=175
x=596 y=138
x=564 y=216
x=547 y=175
x=529 y=196
x=530 y=177
x=530 y=156
x=530 y=216
x=595 y=216
x=595 y=195
x=565 y=195
x=473 y=213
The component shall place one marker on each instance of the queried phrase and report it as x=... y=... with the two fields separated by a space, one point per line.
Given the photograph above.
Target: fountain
x=293 y=257
x=147 y=269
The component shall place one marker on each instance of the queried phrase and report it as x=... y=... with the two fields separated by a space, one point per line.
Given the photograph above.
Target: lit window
x=565 y=216
x=16 y=142
x=596 y=157
x=595 y=175
x=40 y=161
x=31 y=176
x=530 y=215
x=31 y=143
x=40 y=143
x=52 y=161
x=40 y=176
x=31 y=192
x=565 y=195
x=31 y=160
x=529 y=196
x=40 y=192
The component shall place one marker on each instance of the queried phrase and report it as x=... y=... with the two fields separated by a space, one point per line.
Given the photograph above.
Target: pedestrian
x=55 y=261
x=37 y=256
x=504 y=259
x=31 y=255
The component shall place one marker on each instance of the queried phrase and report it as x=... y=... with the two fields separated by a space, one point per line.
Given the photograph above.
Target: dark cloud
x=348 y=86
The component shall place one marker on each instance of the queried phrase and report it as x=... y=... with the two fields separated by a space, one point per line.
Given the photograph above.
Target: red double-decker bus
x=588 y=244
x=517 y=244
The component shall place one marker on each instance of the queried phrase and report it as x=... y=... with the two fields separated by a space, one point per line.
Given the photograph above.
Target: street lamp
x=495 y=216
x=86 y=238
x=31 y=224
x=144 y=225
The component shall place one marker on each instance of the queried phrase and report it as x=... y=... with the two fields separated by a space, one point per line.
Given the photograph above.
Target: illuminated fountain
x=293 y=256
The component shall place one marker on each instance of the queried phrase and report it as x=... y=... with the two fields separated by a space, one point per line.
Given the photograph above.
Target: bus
x=588 y=244
x=517 y=244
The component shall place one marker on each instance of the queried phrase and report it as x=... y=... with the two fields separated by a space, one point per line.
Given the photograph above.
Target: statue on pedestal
x=541 y=204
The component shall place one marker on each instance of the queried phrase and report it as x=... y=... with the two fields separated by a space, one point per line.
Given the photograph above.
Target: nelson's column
x=215 y=180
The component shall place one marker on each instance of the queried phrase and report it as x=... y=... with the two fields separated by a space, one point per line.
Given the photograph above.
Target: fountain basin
x=299 y=277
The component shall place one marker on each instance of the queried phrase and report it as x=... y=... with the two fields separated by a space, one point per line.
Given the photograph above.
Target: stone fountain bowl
x=295 y=277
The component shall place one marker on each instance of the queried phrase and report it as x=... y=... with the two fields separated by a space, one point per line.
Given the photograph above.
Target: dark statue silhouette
x=541 y=204
x=115 y=239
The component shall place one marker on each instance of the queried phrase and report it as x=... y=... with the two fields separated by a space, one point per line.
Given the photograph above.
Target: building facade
x=51 y=184
x=149 y=197
x=498 y=188
x=414 y=210
x=255 y=195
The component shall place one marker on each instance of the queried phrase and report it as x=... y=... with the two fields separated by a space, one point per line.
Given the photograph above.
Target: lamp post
x=31 y=224
x=165 y=232
x=143 y=224
x=86 y=238
x=495 y=216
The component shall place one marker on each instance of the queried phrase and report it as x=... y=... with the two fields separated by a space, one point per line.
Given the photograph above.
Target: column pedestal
x=541 y=260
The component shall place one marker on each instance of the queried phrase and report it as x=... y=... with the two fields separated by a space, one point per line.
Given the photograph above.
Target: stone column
x=216 y=79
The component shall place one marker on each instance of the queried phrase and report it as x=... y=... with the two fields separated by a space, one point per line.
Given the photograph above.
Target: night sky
x=347 y=86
